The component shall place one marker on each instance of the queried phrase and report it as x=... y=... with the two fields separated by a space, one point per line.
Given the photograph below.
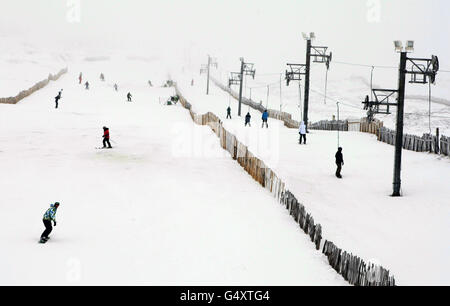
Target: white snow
x=349 y=85
x=407 y=235
x=155 y=210
x=25 y=64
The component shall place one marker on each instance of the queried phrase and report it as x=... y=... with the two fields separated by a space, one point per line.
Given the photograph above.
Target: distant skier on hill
x=129 y=97
x=265 y=116
x=102 y=77
x=229 y=112
x=49 y=216
x=57 y=98
x=80 y=78
x=247 y=119
x=116 y=87
x=339 y=162
x=302 y=132
x=106 y=137
x=150 y=83
x=86 y=85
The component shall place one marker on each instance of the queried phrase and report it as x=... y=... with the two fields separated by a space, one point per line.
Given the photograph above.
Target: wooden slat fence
x=25 y=93
x=426 y=143
x=330 y=125
x=351 y=267
x=275 y=114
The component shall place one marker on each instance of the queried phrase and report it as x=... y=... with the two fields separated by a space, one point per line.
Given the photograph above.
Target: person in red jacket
x=106 y=137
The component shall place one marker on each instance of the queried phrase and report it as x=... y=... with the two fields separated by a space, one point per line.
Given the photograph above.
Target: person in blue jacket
x=265 y=116
x=49 y=216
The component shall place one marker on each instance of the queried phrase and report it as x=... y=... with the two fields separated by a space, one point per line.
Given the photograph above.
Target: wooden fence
x=426 y=143
x=25 y=93
x=275 y=114
x=351 y=267
x=330 y=125
x=445 y=146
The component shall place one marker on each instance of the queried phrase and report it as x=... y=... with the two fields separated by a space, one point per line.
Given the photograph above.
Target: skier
x=192 y=82
x=129 y=97
x=302 y=132
x=106 y=137
x=115 y=87
x=247 y=119
x=80 y=78
x=150 y=83
x=49 y=216
x=86 y=84
x=102 y=76
x=265 y=115
x=57 y=98
x=339 y=162
x=229 y=112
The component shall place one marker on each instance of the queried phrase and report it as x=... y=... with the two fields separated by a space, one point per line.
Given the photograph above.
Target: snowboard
x=102 y=148
x=43 y=240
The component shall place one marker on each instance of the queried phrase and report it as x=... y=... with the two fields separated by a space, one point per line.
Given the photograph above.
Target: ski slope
x=406 y=235
x=165 y=206
x=349 y=85
x=24 y=64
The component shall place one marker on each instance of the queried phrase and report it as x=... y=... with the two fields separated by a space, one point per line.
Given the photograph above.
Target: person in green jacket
x=49 y=216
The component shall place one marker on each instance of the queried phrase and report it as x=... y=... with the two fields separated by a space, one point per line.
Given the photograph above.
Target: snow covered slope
x=349 y=85
x=24 y=64
x=166 y=206
x=406 y=235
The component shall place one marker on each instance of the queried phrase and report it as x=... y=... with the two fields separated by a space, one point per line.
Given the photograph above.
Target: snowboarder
x=57 y=98
x=116 y=87
x=49 y=216
x=102 y=77
x=80 y=78
x=86 y=85
x=339 y=162
x=129 y=97
x=106 y=137
x=229 y=112
x=265 y=115
x=302 y=132
x=247 y=119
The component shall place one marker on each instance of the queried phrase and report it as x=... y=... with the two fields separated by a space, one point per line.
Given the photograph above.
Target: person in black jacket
x=247 y=119
x=57 y=98
x=339 y=162
x=229 y=112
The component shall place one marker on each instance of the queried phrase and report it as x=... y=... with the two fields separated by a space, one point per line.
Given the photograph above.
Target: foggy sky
x=254 y=29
